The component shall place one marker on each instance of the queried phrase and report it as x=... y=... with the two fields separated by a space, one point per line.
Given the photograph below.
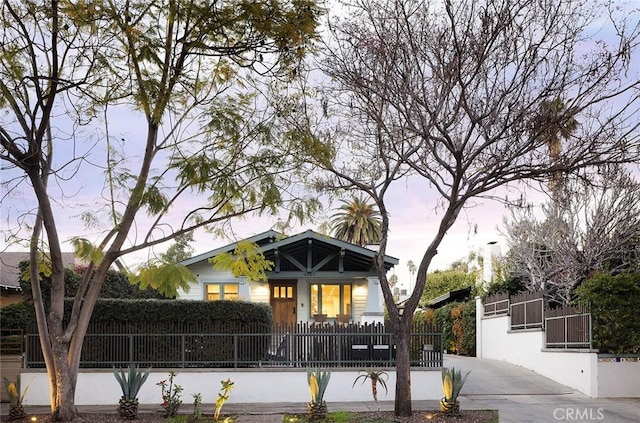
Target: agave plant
x=452 y=382
x=130 y=383
x=16 y=411
x=376 y=376
x=318 y=381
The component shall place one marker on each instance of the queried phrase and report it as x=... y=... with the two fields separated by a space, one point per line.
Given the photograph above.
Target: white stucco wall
x=579 y=369
x=251 y=386
x=618 y=377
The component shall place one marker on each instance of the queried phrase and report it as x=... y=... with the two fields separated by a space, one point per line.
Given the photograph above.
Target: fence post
x=235 y=350
x=131 y=348
x=339 y=347
x=183 y=350
x=25 y=357
x=590 y=329
x=479 y=315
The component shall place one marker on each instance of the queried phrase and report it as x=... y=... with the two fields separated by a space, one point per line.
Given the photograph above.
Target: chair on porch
x=282 y=352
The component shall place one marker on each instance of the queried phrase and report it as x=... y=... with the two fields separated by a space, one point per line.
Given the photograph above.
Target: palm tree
x=412 y=271
x=557 y=122
x=357 y=222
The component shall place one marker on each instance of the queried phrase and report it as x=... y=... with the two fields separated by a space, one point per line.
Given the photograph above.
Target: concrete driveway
x=523 y=396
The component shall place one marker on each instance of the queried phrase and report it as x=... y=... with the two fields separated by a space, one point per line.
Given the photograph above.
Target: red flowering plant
x=170 y=396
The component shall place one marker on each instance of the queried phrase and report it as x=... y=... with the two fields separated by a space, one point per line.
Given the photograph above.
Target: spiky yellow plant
x=452 y=382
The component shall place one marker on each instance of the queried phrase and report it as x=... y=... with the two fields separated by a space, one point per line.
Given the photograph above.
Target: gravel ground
x=467 y=416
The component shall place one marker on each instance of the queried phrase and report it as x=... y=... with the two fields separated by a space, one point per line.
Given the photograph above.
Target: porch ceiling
x=317 y=256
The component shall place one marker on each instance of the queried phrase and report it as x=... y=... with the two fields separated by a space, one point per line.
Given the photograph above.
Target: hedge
x=159 y=320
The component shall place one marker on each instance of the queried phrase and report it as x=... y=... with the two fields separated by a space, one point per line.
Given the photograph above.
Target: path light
x=34 y=419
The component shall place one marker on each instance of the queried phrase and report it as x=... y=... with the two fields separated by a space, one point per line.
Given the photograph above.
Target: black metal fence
x=302 y=345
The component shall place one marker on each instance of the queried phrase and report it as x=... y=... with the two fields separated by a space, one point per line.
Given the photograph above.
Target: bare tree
x=595 y=229
x=178 y=77
x=450 y=93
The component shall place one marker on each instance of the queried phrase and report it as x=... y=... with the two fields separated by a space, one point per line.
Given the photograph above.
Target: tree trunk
x=402 y=333
x=64 y=407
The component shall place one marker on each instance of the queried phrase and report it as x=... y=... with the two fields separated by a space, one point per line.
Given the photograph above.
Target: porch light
x=242 y=280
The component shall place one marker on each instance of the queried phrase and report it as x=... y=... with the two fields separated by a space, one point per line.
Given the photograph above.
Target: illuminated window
x=282 y=292
x=330 y=299
x=222 y=291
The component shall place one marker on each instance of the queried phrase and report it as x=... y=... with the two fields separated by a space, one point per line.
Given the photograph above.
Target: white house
x=313 y=274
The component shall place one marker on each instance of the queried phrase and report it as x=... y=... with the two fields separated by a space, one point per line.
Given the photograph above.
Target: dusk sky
x=414 y=215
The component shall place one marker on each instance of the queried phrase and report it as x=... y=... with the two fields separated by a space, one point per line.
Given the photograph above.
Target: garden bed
x=419 y=416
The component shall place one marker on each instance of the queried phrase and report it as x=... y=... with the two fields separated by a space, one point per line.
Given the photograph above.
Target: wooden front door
x=284 y=300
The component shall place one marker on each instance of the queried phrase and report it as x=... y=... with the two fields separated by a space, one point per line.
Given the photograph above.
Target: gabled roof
x=272 y=241
x=10 y=267
x=260 y=239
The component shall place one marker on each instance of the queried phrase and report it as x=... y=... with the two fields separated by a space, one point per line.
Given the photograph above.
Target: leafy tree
x=180 y=250
x=614 y=302
x=171 y=100
x=446 y=98
x=357 y=222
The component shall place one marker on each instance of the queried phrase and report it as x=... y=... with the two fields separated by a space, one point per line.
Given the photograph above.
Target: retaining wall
x=259 y=385
x=598 y=376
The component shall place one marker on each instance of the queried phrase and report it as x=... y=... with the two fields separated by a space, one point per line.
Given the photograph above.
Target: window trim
x=342 y=296
x=221 y=286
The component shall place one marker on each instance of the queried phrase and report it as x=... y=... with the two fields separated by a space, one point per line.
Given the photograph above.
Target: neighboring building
x=459 y=295
x=10 y=291
x=313 y=274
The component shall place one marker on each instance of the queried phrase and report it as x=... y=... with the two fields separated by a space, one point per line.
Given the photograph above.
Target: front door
x=284 y=302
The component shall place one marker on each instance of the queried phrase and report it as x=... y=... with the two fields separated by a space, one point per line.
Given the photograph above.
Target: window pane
x=331 y=300
x=346 y=309
x=213 y=292
x=315 y=301
x=231 y=291
x=289 y=292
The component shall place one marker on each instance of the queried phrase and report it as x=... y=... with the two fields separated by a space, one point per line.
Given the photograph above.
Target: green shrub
x=442 y=317
x=468 y=341
x=512 y=286
x=614 y=301
x=116 y=285
x=17 y=316
x=457 y=323
x=160 y=319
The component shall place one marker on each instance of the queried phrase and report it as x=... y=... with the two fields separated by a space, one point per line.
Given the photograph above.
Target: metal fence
x=329 y=345
x=565 y=327
x=527 y=311
x=568 y=327
x=496 y=305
